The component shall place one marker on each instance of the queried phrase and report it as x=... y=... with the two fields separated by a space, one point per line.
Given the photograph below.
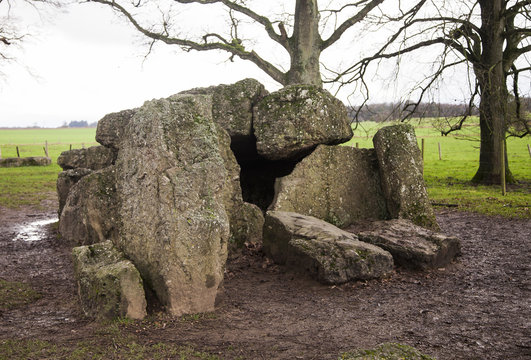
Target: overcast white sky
x=85 y=63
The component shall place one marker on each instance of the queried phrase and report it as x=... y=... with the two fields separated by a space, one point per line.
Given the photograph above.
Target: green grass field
x=447 y=179
x=31 y=185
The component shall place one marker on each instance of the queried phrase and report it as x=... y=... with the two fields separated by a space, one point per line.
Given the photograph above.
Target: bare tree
x=303 y=32
x=492 y=37
x=11 y=37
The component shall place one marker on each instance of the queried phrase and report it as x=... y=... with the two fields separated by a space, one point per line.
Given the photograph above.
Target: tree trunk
x=493 y=109
x=305 y=45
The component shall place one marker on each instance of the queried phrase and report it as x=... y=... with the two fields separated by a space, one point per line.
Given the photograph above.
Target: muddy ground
x=476 y=308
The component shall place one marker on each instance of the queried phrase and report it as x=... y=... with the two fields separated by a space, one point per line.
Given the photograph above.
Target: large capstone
x=401 y=171
x=291 y=122
x=338 y=184
x=332 y=255
x=94 y=158
x=109 y=285
x=65 y=181
x=412 y=246
x=90 y=212
x=171 y=183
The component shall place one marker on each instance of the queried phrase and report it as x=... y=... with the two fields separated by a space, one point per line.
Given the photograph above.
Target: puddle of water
x=33 y=231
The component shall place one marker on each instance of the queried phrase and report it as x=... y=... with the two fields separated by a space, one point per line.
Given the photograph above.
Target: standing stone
x=65 y=181
x=90 y=215
x=291 y=122
x=338 y=184
x=401 y=172
x=94 y=158
x=232 y=105
x=332 y=255
x=109 y=285
x=412 y=246
x=171 y=183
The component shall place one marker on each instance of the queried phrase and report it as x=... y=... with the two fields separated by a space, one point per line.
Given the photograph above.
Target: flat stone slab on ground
x=25 y=161
x=412 y=246
x=332 y=255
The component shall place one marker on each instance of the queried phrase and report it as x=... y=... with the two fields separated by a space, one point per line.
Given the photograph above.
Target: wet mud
x=475 y=308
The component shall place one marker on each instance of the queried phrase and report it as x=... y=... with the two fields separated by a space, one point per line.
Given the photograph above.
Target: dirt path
x=477 y=308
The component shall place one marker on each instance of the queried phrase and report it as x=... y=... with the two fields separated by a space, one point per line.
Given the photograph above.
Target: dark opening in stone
x=258 y=175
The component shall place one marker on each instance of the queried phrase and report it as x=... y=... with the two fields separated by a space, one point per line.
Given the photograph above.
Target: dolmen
x=179 y=182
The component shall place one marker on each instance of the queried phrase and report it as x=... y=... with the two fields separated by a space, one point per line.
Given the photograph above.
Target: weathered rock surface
x=111 y=127
x=292 y=121
x=332 y=255
x=338 y=184
x=246 y=220
x=90 y=213
x=232 y=105
x=65 y=181
x=171 y=181
x=25 y=161
x=94 y=158
x=401 y=170
x=411 y=245
x=109 y=285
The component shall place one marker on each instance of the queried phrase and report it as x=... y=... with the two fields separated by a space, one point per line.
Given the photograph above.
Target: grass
x=31 y=185
x=447 y=179
x=15 y=294
x=389 y=351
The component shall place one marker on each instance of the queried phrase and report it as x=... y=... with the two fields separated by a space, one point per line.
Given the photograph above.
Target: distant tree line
x=79 y=124
x=397 y=111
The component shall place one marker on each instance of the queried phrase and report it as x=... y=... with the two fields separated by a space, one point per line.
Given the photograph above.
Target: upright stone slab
x=171 y=183
x=289 y=123
x=401 y=172
x=232 y=105
x=90 y=214
x=338 y=184
x=109 y=285
x=332 y=255
x=94 y=158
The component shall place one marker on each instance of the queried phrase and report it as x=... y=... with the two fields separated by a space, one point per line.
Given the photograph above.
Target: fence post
x=70 y=146
x=502 y=177
x=422 y=148
x=440 y=155
x=46 y=148
x=82 y=145
x=357 y=145
x=529 y=149
x=18 y=153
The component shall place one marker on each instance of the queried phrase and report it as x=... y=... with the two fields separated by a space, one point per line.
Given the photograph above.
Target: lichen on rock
x=401 y=171
x=330 y=254
x=290 y=122
x=109 y=285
